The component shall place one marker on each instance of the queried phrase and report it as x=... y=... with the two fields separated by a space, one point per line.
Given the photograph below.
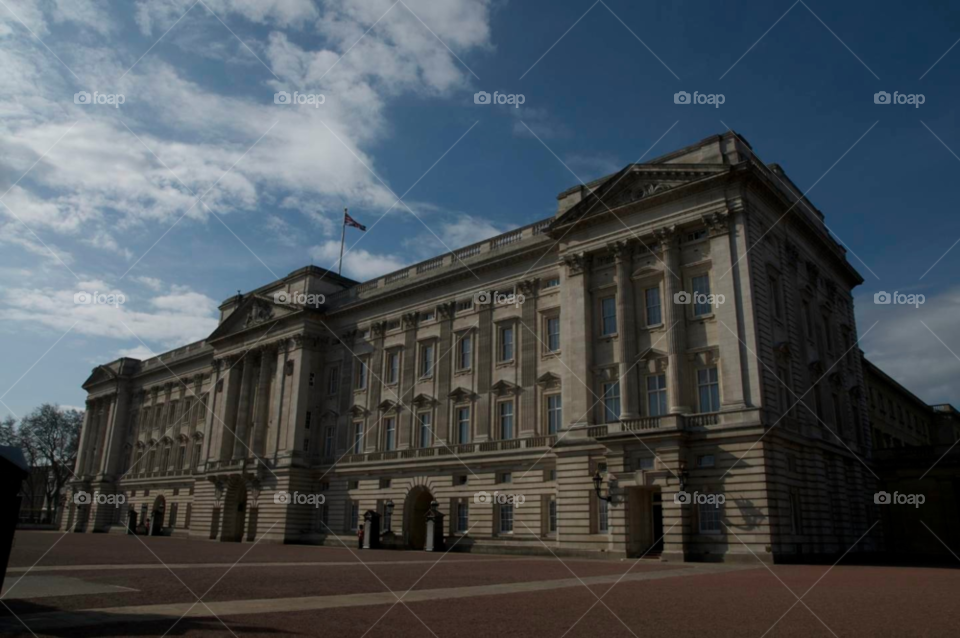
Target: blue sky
x=104 y=198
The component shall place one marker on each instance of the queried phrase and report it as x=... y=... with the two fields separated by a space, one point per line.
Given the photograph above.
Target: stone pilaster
x=730 y=312
x=627 y=336
x=262 y=402
x=408 y=380
x=240 y=447
x=576 y=339
x=675 y=318
x=443 y=373
x=483 y=364
x=529 y=356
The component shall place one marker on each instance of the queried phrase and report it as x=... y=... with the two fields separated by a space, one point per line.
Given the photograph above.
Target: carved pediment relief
x=548 y=380
x=253 y=311
x=461 y=394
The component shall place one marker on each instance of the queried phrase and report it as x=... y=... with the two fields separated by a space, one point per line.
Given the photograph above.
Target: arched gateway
x=415 y=516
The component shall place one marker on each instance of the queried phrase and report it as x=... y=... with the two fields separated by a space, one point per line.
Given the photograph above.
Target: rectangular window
x=306 y=421
x=706 y=460
x=553 y=334
x=775 y=294
x=701 y=294
x=506 y=518
x=425 y=424
x=552 y=283
x=505 y=414
x=313 y=379
x=463 y=517
x=505 y=477
x=708 y=388
x=464 y=304
x=393 y=367
x=357 y=437
x=333 y=380
x=647 y=463
x=463 y=425
x=552 y=516
x=464 y=352
x=652 y=300
x=506 y=343
x=361 y=381
x=554 y=413
x=354 y=515
x=426 y=360
x=796 y=522
x=603 y=516
x=390 y=433
x=306 y=445
x=328 y=443
x=657 y=395
x=783 y=390
x=611 y=402
x=709 y=518
x=608 y=315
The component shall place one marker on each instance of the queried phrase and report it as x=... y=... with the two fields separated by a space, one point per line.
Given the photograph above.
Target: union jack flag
x=350 y=221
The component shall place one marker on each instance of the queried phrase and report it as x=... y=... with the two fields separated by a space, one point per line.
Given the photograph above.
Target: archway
x=234 y=512
x=156 y=517
x=415 y=516
x=131 y=521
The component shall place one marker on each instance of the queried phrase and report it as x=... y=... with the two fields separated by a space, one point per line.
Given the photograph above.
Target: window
x=333 y=380
x=328 y=443
x=181 y=456
x=608 y=316
x=647 y=463
x=463 y=424
x=429 y=315
x=553 y=334
x=651 y=298
x=426 y=360
x=775 y=297
x=506 y=518
x=306 y=421
x=505 y=414
x=657 y=395
x=505 y=477
x=463 y=517
x=464 y=304
x=460 y=479
x=464 y=352
x=701 y=294
x=306 y=445
x=354 y=515
x=706 y=460
x=709 y=518
x=611 y=402
x=393 y=324
x=554 y=413
x=390 y=433
x=708 y=388
x=783 y=389
x=393 y=367
x=313 y=379
x=357 y=436
x=506 y=343
x=552 y=515
x=384 y=483
x=385 y=516
x=361 y=380
x=425 y=421
x=796 y=522
x=603 y=516
x=553 y=282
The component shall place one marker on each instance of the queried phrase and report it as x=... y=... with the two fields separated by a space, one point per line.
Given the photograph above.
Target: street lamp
x=597 y=484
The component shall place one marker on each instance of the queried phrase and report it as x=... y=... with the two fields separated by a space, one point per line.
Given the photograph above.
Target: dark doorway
x=644 y=521
x=417 y=506
x=156 y=520
x=657 y=547
x=132 y=522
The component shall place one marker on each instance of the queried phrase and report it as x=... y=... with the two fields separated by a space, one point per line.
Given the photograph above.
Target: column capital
x=576 y=263
x=718 y=223
x=447 y=310
x=621 y=250
x=529 y=287
x=668 y=236
x=410 y=320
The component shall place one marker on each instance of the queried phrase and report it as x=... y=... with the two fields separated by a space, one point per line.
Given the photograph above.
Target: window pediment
x=505 y=388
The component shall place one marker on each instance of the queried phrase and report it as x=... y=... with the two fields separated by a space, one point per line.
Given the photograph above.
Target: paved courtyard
x=110 y=585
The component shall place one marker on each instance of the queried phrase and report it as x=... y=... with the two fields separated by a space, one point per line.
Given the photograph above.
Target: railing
x=641 y=424
x=504 y=240
x=430 y=265
x=532 y=442
x=597 y=430
x=465 y=253
x=701 y=420
x=397 y=276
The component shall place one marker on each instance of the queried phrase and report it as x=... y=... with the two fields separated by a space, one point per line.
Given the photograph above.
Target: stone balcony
x=444 y=452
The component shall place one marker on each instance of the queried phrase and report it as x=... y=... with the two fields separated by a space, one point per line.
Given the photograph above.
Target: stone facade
x=684 y=325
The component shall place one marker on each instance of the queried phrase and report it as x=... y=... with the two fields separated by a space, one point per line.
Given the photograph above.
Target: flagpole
x=343 y=234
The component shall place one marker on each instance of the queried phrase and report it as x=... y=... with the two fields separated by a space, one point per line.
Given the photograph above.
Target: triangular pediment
x=358 y=411
x=100 y=374
x=462 y=394
x=253 y=311
x=633 y=184
x=388 y=405
x=503 y=388
x=424 y=401
x=549 y=380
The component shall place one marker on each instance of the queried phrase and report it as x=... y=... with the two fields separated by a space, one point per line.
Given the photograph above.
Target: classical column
x=278 y=392
x=443 y=374
x=408 y=380
x=529 y=355
x=675 y=318
x=627 y=336
x=227 y=421
x=576 y=338
x=371 y=441
x=483 y=371
x=261 y=404
x=240 y=450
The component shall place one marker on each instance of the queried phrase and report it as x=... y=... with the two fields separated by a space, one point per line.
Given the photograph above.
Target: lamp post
x=388 y=511
x=597 y=484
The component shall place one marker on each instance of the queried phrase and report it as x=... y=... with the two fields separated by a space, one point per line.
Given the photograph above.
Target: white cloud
x=139 y=352
x=150 y=282
x=902 y=347
x=358 y=264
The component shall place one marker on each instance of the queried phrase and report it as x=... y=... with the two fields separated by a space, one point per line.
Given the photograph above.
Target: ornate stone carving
x=260 y=311
x=621 y=250
x=576 y=263
x=447 y=310
x=667 y=236
x=718 y=222
x=410 y=320
x=528 y=287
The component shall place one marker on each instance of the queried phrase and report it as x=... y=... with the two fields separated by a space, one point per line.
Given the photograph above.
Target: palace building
x=668 y=366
